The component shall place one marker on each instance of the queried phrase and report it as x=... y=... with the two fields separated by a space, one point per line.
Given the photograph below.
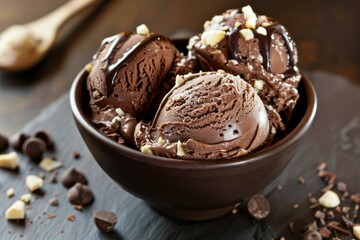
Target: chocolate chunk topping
x=44 y=135
x=4 y=143
x=34 y=148
x=18 y=140
x=312 y=235
x=80 y=194
x=72 y=176
x=258 y=207
x=105 y=220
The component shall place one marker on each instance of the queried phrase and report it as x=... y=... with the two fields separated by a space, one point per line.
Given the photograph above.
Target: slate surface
x=334 y=138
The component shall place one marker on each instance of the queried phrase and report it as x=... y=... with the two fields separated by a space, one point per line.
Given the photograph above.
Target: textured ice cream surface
x=257 y=48
x=209 y=115
x=128 y=74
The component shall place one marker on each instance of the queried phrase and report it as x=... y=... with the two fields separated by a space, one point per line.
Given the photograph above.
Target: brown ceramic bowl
x=188 y=189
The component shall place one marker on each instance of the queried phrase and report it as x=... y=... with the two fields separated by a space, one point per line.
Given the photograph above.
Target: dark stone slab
x=334 y=138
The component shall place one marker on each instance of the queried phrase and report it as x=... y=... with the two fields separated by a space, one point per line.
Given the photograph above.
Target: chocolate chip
x=312 y=235
x=44 y=135
x=105 y=220
x=72 y=176
x=258 y=207
x=325 y=232
x=34 y=148
x=17 y=141
x=4 y=143
x=80 y=194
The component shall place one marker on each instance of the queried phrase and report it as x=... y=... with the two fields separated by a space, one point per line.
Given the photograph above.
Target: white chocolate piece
x=247 y=34
x=207 y=24
x=179 y=81
x=212 y=37
x=237 y=24
x=49 y=165
x=33 y=182
x=273 y=130
x=356 y=231
x=16 y=211
x=250 y=23
x=248 y=13
x=258 y=84
x=266 y=24
x=10 y=192
x=142 y=29
x=146 y=149
x=26 y=197
x=329 y=200
x=218 y=19
x=180 y=152
x=9 y=160
x=261 y=30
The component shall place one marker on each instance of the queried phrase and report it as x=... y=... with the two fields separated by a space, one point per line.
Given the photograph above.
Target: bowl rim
x=173 y=163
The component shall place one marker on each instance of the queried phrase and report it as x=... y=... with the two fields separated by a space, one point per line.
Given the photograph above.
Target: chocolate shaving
x=291 y=227
x=301 y=180
x=322 y=166
x=334 y=225
x=325 y=232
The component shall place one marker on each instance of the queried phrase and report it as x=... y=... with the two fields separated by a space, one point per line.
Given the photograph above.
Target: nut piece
x=248 y=13
x=261 y=30
x=146 y=149
x=119 y=112
x=212 y=37
x=161 y=141
x=33 y=182
x=10 y=192
x=16 y=211
x=180 y=152
x=329 y=199
x=142 y=29
x=356 y=231
x=88 y=67
x=9 y=160
x=49 y=165
x=179 y=81
x=250 y=23
x=247 y=34
x=258 y=84
x=26 y=198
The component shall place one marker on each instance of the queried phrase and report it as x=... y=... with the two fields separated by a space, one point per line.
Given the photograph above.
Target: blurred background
x=327 y=33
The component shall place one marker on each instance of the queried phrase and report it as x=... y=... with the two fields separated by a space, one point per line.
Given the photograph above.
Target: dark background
x=327 y=34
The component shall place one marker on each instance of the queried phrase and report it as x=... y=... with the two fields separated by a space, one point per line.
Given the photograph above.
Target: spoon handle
x=54 y=20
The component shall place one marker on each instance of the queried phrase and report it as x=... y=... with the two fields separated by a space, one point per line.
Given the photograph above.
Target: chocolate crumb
x=341 y=186
x=325 y=232
x=319 y=215
x=78 y=207
x=54 y=202
x=311 y=226
x=355 y=198
x=322 y=166
x=301 y=180
x=312 y=235
x=291 y=227
x=71 y=217
x=53 y=177
x=42 y=175
x=51 y=216
x=76 y=155
x=295 y=206
x=279 y=187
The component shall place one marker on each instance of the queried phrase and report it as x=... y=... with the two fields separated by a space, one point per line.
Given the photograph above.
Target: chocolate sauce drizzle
x=265 y=42
x=111 y=70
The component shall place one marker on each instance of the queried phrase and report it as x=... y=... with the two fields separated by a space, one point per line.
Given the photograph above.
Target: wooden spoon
x=23 y=46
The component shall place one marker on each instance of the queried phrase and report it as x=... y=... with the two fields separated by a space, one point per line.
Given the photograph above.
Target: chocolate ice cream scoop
x=126 y=76
x=259 y=49
x=209 y=115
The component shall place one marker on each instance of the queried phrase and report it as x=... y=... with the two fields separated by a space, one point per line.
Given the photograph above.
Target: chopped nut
x=250 y=23
x=273 y=130
x=161 y=141
x=356 y=231
x=146 y=149
x=33 y=182
x=119 y=112
x=10 y=192
x=235 y=62
x=179 y=81
x=49 y=165
x=180 y=152
x=261 y=30
x=266 y=24
x=247 y=34
x=88 y=67
x=26 y=198
x=212 y=37
x=9 y=160
x=258 y=84
x=237 y=24
x=329 y=199
x=142 y=29
x=16 y=211
x=249 y=13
